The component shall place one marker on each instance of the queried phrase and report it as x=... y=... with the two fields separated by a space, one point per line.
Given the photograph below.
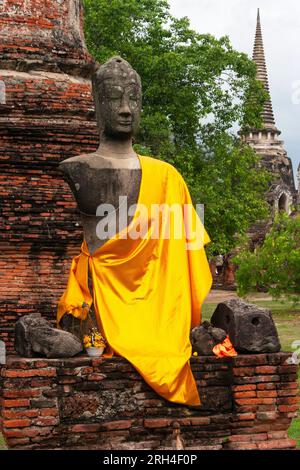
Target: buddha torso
x=95 y=180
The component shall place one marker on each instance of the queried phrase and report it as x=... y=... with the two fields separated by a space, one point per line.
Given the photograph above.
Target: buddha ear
x=94 y=67
x=96 y=96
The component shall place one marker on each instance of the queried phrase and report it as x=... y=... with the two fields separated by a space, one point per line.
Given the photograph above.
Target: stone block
x=34 y=335
x=251 y=329
x=205 y=337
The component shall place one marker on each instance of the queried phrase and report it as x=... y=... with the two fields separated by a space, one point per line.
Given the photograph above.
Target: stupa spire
x=262 y=74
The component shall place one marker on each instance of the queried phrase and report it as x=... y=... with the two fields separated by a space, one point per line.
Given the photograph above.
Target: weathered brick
x=201 y=420
x=45 y=421
x=84 y=428
x=267 y=415
x=69 y=380
x=121 y=424
x=31 y=373
x=244 y=388
x=248 y=394
x=86 y=370
x=276 y=444
x=288 y=369
x=250 y=360
x=157 y=423
x=21 y=393
x=294 y=414
x=16 y=403
x=267 y=394
x=22 y=441
x=288 y=377
x=288 y=393
x=73 y=371
x=287 y=400
x=287 y=408
x=13 y=414
x=16 y=423
x=242 y=446
x=255 y=401
x=277 y=435
x=246 y=408
x=42 y=403
x=257 y=379
x=41 y=383
x=96 y=377
x=288 y=386
x=243 y=371
x=239 y=438
x=266 y=407
x=244 y=417
x=266 y=370
x=48 y=412
x=266 y=386
x=40 y=364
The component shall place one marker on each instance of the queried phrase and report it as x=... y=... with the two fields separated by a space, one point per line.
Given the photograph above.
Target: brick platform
x=248 y=402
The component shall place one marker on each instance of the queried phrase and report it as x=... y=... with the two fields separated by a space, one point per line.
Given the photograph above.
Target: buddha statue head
x=118 y=99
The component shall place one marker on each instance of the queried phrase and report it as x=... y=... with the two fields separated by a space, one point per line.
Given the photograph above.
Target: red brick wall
x=248 y=402
x=44 y=34
x=48 y=116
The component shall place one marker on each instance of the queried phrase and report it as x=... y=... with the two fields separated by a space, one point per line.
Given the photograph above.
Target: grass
x=2 y=443
x=287 y=320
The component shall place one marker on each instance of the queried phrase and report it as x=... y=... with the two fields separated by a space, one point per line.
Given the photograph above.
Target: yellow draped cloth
x=148 y=289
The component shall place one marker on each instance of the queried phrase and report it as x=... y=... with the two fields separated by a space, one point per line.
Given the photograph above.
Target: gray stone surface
x=251 y=329
x=35 y=336
x=205 y=337
x=2 y=353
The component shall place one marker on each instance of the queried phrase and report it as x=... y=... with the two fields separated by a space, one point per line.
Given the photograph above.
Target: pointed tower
x=262 y=75
x=266 y=142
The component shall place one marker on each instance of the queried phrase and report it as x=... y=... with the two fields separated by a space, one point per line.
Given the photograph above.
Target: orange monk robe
x=225 y=349
x=148 y=291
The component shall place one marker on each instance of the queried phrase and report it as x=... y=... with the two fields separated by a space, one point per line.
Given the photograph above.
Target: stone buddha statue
x=112 y=173
x=143 y=290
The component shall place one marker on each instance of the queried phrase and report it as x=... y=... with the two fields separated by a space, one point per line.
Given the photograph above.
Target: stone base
x=248 y=402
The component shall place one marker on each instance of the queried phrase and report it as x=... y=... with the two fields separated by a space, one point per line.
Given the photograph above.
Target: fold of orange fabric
x=225 y=349
x=148 y=290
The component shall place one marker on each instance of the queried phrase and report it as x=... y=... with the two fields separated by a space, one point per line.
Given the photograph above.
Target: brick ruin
x=248 y=402
x=47 y=115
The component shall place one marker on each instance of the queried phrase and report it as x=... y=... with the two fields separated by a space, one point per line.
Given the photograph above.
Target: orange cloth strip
x=225 y=349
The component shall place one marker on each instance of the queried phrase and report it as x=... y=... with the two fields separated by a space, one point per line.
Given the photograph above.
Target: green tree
x=195 y=91
x=274 y=266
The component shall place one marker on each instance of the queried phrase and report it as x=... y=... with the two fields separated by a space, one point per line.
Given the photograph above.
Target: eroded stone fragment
x=251 y=329
x=205 y=337
x=35 y=336
x=2 y=353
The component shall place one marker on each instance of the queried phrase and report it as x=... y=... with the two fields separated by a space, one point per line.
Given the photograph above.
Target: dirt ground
x=215 y=296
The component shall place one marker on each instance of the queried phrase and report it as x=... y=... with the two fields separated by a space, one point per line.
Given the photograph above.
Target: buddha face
x=118 y=100
x=120 y=108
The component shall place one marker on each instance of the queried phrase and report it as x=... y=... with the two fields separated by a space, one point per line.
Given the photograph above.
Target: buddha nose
x=125 y=108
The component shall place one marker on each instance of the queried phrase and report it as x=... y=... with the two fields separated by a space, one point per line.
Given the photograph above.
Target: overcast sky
x=281 y=33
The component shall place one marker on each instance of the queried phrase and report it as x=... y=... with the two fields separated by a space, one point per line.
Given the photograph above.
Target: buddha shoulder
x=79 y=162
